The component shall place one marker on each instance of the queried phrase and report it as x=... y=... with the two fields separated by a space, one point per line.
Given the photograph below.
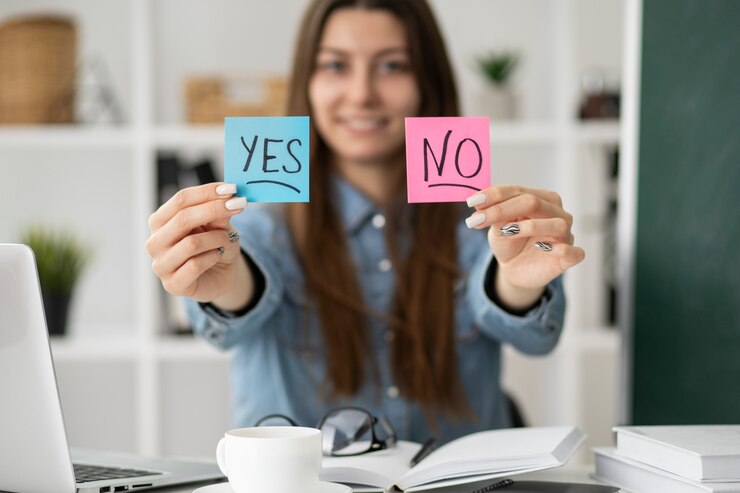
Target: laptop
x=34 y=453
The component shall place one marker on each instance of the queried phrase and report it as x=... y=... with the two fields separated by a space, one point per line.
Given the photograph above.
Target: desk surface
x=568 y=473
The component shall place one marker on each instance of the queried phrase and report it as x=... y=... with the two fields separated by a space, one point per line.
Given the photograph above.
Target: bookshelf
x=100 y=182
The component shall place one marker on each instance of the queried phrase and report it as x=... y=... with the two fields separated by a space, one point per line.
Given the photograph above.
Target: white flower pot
x=497 y=102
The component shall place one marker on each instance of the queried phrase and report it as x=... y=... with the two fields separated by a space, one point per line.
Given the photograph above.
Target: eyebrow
x=387 y=51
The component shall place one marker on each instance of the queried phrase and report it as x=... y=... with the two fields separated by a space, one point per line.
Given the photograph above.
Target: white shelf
x=212 y=136
x=594 y=132
x=189 y=136
x=66 y=136
x=188 y=348
x=121 y=348
x=89 y=349
x=523 y=133
x=598 y=132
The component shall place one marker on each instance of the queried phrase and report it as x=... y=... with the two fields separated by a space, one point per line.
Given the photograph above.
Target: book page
x=380 y=469
x=491 y=452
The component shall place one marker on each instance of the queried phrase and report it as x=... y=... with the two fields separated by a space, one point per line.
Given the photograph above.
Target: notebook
x=35 y=454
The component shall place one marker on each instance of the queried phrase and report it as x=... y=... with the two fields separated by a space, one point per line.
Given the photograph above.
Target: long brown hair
x=423 y=352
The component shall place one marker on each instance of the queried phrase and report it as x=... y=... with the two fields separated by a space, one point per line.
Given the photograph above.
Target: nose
x=361 y=88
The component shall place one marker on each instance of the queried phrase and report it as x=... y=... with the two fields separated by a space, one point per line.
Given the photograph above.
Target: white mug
x=271 y=459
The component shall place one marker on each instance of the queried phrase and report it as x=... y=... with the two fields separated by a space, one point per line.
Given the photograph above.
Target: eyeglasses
x=346 y=431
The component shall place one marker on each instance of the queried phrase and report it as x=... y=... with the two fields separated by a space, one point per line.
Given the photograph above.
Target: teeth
x=364 y=124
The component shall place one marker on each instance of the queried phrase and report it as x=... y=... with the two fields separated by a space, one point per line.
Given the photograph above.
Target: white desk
x=566 y=474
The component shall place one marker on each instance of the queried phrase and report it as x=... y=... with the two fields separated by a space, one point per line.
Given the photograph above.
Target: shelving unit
x=166 y=394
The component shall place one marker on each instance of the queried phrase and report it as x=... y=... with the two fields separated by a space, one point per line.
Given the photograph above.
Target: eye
x=393 y=66
x=334 y=66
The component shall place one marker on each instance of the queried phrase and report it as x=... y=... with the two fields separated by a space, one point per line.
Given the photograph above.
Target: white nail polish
x=226 y=189
x=477 y=199
x=475 y=220
x=236 y=203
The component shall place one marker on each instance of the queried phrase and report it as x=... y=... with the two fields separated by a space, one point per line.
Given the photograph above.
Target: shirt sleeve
x=535 y=332
x=225 y=330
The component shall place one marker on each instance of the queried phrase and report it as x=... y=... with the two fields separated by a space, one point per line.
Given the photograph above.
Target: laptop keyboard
x=85 y=473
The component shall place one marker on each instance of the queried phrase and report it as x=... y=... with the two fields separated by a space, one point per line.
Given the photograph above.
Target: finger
x=188 y=197
x=190 y=246
x=191 y=218
x=569 y=255
x=526 y=205
x=184 y=281
x=554 y=229
x=500 y=193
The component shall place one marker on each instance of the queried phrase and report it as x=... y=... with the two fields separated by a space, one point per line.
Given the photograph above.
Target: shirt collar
x=353 y=207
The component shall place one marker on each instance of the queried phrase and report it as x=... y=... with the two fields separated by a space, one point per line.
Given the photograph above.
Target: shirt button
x=392 y=392
x=389 y=336
x=385 y=265
x=378 y=221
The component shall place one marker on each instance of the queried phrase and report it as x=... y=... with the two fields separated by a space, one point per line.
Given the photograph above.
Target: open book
x=470 y=459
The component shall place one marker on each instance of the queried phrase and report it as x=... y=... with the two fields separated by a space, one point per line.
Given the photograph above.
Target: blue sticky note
x=267 y=157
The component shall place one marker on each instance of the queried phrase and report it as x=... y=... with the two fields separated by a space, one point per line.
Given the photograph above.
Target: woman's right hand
x=192 y=252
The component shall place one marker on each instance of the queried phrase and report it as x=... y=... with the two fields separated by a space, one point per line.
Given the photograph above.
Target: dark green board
x=686 y=352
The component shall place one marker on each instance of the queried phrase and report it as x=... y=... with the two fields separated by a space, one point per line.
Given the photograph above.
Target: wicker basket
x=210 y=99
x=37 y=70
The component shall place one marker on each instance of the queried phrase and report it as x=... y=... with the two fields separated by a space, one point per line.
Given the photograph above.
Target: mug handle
x=221 y=455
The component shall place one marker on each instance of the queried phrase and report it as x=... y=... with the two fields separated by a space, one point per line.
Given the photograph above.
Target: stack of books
x=676 y=459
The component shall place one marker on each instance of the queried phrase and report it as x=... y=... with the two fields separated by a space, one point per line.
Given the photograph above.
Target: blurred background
x=107 y=107
x=118 y=104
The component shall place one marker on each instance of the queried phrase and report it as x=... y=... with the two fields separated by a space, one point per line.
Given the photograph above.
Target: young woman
x=358 y=298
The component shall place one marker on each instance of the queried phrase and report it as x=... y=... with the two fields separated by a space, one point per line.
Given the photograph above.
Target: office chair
x=517 y=419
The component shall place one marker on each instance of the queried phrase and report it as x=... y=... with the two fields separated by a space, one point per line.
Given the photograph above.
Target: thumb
x=572 y=255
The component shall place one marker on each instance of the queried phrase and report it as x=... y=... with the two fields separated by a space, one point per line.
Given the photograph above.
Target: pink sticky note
x=447 y=158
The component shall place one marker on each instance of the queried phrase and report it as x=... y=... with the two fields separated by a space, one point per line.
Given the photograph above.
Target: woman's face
x=362 y=86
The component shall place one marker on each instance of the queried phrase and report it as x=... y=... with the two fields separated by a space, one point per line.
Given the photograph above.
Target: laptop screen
x=31 y=423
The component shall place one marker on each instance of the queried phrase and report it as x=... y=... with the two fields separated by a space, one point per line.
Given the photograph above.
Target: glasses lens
x=385 y=432
x=347 y=432
x=275 y=420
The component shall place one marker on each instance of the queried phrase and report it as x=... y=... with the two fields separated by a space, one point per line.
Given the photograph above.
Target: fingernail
x=477 y=199
x=236 y=203
x=510 y=230
x=475 y=220
x=226 y=189
x=544 y=246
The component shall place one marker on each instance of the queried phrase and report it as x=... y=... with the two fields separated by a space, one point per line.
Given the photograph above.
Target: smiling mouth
x=363 y=124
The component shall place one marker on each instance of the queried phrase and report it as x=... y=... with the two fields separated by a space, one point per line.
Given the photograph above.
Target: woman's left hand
x=530 y=234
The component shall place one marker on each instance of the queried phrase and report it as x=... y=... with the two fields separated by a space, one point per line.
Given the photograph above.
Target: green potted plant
x=498 y=98
x=60 y=259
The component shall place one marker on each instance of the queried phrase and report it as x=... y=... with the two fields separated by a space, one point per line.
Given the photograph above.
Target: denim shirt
x=278 y=361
